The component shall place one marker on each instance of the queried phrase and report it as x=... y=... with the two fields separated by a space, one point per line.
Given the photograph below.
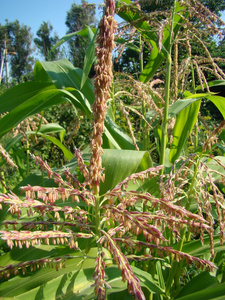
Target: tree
x=45 y=42
x=215 y=6
x=77 y=18
x=19 y=40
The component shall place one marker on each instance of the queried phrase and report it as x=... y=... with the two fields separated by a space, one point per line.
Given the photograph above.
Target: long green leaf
x=120 y=164
x=195 y=247
x=89 y=57
x=63 y=74
x=83 y=33
x=199 y=283
x=182 y=129
x=30 y=107
x=118 y=137
x=68 y=155
x=219 y=102
x=130 y=46
x=33 y=281
x=215 y=292
x=51 y=128
x=182 y=104
x=20 y=93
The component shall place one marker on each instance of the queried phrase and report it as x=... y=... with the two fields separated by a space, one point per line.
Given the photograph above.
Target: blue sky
x=33 y=12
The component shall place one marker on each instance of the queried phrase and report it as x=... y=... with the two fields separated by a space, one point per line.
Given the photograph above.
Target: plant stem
x=194 y=91
x=141 y=54
x=173 y=271
x=3 y=182
x=144 y=132
x=97 y=215
x=28 y=156
x=167 y=94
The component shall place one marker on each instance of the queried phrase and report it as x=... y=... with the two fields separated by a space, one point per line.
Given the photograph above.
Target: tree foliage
x=215 y=6
x=19 y=39
x=77 y=18
x=45 y=41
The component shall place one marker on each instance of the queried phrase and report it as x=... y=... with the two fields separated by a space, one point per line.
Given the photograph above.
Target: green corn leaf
x=35 y=104
x=199 y=283
x=212 y=83
x=212 y=292
x=219 y=102
x=76 y=280
x=68 y=155
x=195 y=247
x=182 y=129
x=89 y=57
x=20 y=93
x=50 y=128
x=30 y=106
x=178 y=106
x=119 y=164
x=116 y=136
x=63 y=74
x=83 y=33
x=130 y=46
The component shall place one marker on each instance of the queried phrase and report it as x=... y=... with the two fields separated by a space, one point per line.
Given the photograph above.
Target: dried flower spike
x=103 y=69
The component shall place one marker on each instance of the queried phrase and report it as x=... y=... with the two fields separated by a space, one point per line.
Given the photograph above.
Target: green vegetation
x=140 y=214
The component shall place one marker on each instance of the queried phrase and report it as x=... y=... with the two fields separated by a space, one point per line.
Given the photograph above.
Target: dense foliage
x=140 y=214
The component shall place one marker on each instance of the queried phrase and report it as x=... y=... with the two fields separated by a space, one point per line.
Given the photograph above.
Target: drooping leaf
x=29 y=107
x=63 y=74
x=75 y=280
x=219 y=102
x=20 y=93
x=214 y=165
x=68 y=155
x=119 y=164
x=82 y=33
x=36 y=281
x=178 y=106
x=50 y=128
x=118 y=138
x=195 y=247
x=117 y=285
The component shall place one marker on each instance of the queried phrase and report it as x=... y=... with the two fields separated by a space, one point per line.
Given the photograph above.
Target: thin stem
x=167 y=95
x=165 y=113
x=196 y=124
x=3 y=182
x=141 y=53
x=145 y=133
x=97 y=217
x=28 y=157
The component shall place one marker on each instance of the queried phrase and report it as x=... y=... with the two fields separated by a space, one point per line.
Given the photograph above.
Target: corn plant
x=111 y=224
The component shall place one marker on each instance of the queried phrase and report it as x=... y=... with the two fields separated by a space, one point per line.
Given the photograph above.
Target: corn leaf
x=182 y=129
